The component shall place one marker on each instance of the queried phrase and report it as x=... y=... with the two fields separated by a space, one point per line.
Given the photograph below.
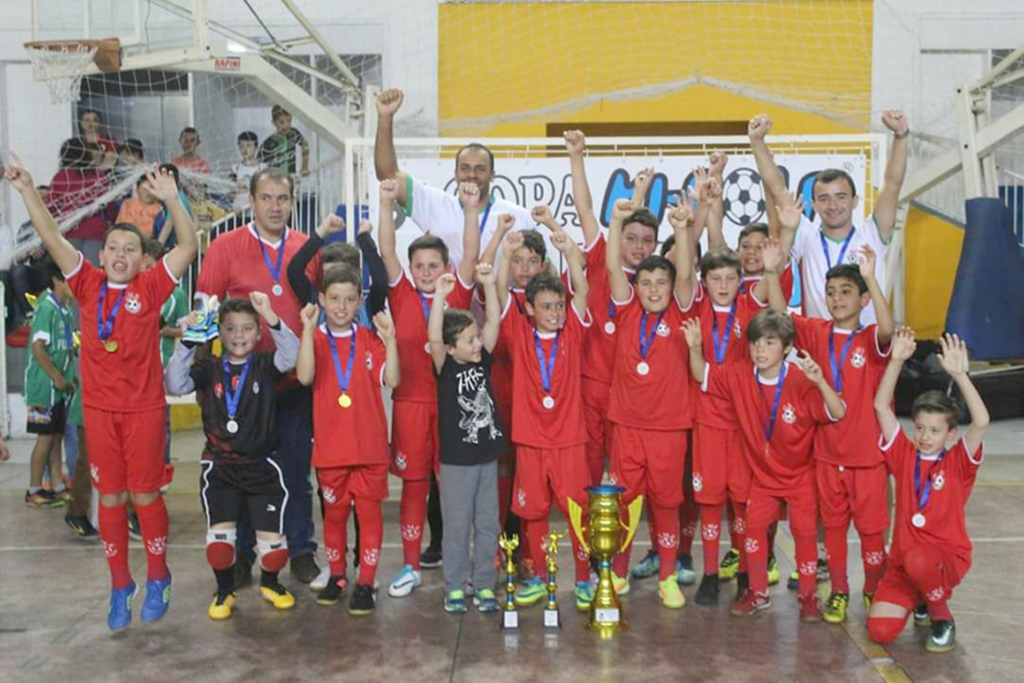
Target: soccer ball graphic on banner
x=743 y=196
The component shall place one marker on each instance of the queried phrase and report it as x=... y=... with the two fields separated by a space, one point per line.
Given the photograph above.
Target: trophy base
x=510 y=620
x=552 y=619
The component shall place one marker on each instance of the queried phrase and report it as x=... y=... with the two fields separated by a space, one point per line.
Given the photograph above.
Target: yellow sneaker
x=278 y=596
x=773 y=571
x=671 y=596
x=220 y=608
x=621 y=584
x=835 y=608
x=868 y=598
x=729 y=566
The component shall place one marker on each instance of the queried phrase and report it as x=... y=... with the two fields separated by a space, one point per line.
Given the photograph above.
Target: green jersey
x=51 y=324
x=174 y=310
x=281 y=151
x=75 y=411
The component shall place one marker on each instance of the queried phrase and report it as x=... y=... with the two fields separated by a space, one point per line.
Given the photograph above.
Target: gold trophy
x=509 y=615
x=551 y=618
x=608 y=536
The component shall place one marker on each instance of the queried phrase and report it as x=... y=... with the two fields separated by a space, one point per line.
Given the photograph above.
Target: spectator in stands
x=189 y=159
x=243 y=171
x=90 y=128
x=279 y=150
x=163 y=231
x=141 y=210
x=132 y=152
x=81 y=180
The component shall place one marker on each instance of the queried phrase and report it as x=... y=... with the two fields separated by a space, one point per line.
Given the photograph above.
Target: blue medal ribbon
x=837 y=367
x=231 y=398
x=924 y=493
x=722 y=344
x=547 y=369
x=105 y=327
x=842 y=250
x=773 y=413
x=343 y=377
x=275 y=269
x=425 y=305
x=647 y=339
x=487 y=212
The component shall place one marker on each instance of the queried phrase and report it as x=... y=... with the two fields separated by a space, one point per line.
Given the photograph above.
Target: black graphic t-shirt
x=469 y=427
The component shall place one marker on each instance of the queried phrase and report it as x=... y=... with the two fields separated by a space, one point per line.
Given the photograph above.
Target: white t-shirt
x=440 y=214
x=814 y=264
x=243 y=174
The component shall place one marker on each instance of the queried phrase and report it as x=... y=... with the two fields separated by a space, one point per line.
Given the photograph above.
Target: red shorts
x=649 y=463
x=415 y=443
x=504 y=406
x=860 y=493
x=765 y=506
x=541 y=471
x=720 y=469
x=343 y=484
x=897 y=588
x=596 y=395
x=126 y=450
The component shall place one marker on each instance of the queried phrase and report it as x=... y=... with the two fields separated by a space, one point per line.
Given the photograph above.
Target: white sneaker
x=320 y=582
x=405 y=582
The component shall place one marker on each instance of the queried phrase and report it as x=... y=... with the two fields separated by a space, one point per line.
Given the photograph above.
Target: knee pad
x=273 y=554
x=220 y=547
x=883 y=630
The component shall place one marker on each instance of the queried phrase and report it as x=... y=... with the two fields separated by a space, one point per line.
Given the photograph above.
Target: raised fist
x=389 y=101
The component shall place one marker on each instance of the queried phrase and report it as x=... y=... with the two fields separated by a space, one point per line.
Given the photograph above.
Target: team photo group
x=521 y=368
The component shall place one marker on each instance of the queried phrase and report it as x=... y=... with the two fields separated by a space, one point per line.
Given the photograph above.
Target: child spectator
x=244 y=170
x=350 y=433
x=471 y=442
x=161 y=231
x=49 y=385
x=140 y=210
x=931 y=551
x=280 y=149
x=189 y=158
x=240 y=473
x=131 y=152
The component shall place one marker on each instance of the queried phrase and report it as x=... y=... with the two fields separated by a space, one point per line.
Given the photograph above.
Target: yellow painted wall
x=932 y=248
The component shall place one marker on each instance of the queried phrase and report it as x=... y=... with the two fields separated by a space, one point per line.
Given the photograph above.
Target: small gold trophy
x=608 y=536
x=551 y=618
x=509 y=615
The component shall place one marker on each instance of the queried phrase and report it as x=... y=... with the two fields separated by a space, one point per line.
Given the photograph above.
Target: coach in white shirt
x=434 y=210
x=834 y=199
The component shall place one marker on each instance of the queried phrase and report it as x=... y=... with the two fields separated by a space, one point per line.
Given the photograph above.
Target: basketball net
x=62 y=68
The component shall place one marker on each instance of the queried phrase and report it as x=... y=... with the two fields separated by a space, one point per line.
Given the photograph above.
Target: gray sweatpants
x=469 y=505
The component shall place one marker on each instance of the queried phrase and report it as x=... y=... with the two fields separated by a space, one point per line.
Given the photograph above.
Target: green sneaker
x=530 y=592
x=729 y=566
x=942 y=637
x=648 y=567
x=620 y=584
x=455 y=602
x=835 y=608
x=584 y=595
x=773 y=571
x=794 y=581
x=486 y=601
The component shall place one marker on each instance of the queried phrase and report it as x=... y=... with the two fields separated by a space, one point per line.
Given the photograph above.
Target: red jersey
x=130 y=379
x=784 y=462
x=234 y=266
x=599 y=346
x=357 y=435
x=663 y=397
x=732 y=322
x=748 y=282
x=952 y=481
x=536 y=421
x=410 y=310
x=853 y=441
x=501 y=365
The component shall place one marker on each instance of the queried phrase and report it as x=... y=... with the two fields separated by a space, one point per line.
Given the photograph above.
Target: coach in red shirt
x=255 y=257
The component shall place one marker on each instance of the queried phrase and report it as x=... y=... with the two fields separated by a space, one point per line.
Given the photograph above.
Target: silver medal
x=917 y=520
x=609 y=327
x=232 y=427
x=548 y=402
x=426 y=347
x=277 y=289
x=643 y=368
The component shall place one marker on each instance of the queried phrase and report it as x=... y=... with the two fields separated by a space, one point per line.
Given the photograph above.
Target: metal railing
x=1011 y=191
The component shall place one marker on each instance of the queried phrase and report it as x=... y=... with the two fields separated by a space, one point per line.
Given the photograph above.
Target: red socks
x=153 y=522
x=836 y=549
x=872 y=552
x=412 y=512
x=711 y=533
x=335 y=521
x=807 y=564
x=666 y=521
x=536 y=531
x=738 y=532
x=755 y=548
x=925 y=568
x=689 y=514
x=371 y=537
x=114 y=533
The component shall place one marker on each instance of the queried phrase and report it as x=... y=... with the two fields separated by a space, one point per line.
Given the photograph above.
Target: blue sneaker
x=120 y=614
x=455 y=602
x=584 y=595
x=405 y=582
x=486 y=601
x=684 y=571
x=530 y=592
x=158 y=599
x=649 y=566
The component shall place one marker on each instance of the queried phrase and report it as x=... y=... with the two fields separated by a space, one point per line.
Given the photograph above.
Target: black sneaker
x=242 y=572
x=822 y=576
x=363 y=601
x=81 y=526
x=304 y=567
x=335 y=588
x=134 y=530
x=921 y=616
x=430 y=558
x=942 y=637
x=742 y=584
x=707 y=594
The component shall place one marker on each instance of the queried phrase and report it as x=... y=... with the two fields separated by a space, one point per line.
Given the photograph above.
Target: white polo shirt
x=817 y=253
x=439 y=213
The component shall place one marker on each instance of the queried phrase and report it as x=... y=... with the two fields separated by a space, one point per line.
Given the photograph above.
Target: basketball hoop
x=62 y=63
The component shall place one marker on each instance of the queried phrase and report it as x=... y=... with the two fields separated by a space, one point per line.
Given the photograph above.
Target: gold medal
x=109 y=345
x=345 y=401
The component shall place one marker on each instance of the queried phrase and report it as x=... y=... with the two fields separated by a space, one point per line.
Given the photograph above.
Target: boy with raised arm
x=931 y=551
x=347 y=365
x=546 y=345
x=850 y=470
x=778 y=406
x=471 y=442
x=122 y=381
x=239 y=461
x=415 y=442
